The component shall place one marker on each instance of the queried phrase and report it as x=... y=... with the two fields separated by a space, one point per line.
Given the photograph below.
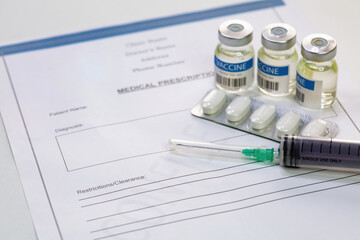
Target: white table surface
x=25 y=20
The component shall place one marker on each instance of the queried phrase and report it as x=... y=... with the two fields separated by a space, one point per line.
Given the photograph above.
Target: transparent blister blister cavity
x=307 y=124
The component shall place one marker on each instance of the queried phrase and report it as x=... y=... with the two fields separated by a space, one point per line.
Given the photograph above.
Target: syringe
x=294 y=151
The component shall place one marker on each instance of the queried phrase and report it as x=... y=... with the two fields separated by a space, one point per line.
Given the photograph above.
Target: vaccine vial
x=317 y=72
x=234 y=57
x=277 y=59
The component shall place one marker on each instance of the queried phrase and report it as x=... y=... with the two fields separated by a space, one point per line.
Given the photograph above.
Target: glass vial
x=234 y=57
x=317 y=72
x=277 y=59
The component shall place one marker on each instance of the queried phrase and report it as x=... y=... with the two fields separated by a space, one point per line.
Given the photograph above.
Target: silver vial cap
x=235 y=33
x=278 y=36
x=318 y=47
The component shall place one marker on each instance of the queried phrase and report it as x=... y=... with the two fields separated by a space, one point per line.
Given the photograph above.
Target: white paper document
x=89 y=123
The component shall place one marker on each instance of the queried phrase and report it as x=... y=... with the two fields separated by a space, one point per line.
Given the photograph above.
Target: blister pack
x=262 y=118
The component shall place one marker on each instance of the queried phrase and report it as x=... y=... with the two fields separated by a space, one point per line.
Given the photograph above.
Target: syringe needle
x=204 y=148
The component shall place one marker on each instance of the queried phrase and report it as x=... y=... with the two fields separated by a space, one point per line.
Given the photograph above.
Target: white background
x=30 y=20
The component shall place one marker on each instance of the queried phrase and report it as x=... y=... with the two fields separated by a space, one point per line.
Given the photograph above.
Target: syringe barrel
x=325 y=153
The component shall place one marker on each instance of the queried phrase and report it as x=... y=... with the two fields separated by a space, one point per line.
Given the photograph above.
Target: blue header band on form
x=137 y=27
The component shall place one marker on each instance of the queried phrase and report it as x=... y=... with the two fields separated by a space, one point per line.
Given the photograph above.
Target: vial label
x=234 y=75
x=273 y=78
x=308 y=92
